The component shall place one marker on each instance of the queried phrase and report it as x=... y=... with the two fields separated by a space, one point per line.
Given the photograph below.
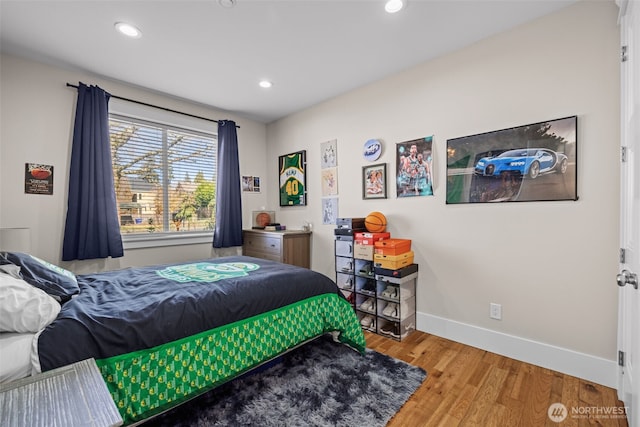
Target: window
x=164 y=177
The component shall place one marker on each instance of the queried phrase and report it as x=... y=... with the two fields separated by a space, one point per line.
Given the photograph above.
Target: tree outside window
x=164 y=177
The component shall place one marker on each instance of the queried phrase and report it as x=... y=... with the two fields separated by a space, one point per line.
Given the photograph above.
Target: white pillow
x=11 y=270
x=15 y=353
x=24 y=308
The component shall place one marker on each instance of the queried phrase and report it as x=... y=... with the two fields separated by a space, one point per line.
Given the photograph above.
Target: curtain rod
x=156 y=106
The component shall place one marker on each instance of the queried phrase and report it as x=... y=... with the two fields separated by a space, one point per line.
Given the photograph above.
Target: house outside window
x=165 y=181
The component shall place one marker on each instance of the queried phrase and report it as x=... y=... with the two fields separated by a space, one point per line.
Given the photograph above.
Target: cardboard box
x=393 y=262
x=363 y=252
x=370 y=238
x=392 y=246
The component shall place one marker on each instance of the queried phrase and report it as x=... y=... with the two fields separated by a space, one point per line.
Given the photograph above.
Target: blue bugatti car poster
x=535 y=162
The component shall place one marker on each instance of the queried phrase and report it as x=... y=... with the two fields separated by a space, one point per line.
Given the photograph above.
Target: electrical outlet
x=495 y=311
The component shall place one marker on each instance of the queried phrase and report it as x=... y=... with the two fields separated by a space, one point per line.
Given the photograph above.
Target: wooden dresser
x=289 y=246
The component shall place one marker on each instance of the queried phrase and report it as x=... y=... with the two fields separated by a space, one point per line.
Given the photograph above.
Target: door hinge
x=623 y=256
x=623 y=54
x=623 y=154
x=620 y=358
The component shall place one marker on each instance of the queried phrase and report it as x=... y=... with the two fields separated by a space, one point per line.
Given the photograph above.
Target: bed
x=162 y=335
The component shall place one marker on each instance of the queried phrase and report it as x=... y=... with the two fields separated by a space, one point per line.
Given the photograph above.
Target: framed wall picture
x=374 y=181
x=38 y=178
x=535 y=162
x=292 y=171
x=414 y=177
x=251 y=184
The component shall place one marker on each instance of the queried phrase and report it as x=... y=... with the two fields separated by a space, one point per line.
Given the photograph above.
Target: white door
x=629 y=295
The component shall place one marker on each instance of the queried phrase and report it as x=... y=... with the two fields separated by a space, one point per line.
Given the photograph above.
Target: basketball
x=263 y=219
x=375 y=222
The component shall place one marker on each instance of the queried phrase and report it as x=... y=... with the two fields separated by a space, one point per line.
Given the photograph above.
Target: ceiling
x=312 y=50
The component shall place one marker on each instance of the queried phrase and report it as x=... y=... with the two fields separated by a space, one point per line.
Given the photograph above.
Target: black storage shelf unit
x=384 y=300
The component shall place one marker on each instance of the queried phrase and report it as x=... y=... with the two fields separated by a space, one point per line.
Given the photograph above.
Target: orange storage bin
x=392 y=246
x=363 y=238
x=393 y=262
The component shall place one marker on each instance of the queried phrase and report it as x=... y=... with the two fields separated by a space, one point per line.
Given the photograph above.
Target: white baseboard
x=569 y=362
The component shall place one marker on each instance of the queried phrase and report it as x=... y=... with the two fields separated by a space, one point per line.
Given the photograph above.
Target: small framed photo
x=251 y=184
x=374 y=181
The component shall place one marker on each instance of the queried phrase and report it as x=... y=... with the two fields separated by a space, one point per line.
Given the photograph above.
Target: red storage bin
x=363 y=238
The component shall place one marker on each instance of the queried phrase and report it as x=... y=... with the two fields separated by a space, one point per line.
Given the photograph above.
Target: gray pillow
x=55 y=281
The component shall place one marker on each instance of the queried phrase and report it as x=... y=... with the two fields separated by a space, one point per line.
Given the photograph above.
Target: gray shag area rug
x=322 y=383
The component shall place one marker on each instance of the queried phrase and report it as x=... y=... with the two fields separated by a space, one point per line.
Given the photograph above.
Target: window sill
x=154 y=240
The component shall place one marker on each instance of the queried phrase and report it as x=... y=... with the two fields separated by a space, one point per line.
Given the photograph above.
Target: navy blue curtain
x=228 y=230
x=92 y=229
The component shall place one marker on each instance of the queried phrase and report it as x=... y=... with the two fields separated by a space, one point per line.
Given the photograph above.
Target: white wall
x=36 y=119
x=550 y=264
x=557 y=288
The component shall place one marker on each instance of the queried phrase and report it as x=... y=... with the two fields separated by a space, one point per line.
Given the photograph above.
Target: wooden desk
x=287 y=246
x=74 y=395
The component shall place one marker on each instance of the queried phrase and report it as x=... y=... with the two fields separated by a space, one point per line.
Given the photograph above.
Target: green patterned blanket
x=147 y=382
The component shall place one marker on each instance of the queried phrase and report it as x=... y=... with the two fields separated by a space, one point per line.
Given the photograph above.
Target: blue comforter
x=122 y=311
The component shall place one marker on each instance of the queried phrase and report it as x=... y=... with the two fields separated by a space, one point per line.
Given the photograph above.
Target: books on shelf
x=275 y=227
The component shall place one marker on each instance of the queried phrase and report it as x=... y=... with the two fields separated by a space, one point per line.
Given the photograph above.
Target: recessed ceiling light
x=265 y=84
x=393 y=6
x=128 y=30
x=227 y=3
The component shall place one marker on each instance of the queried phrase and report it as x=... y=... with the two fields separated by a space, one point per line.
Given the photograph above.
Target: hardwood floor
x=467 y=386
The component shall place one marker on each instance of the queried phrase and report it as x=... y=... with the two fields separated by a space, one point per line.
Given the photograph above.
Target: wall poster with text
x=38 y=179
